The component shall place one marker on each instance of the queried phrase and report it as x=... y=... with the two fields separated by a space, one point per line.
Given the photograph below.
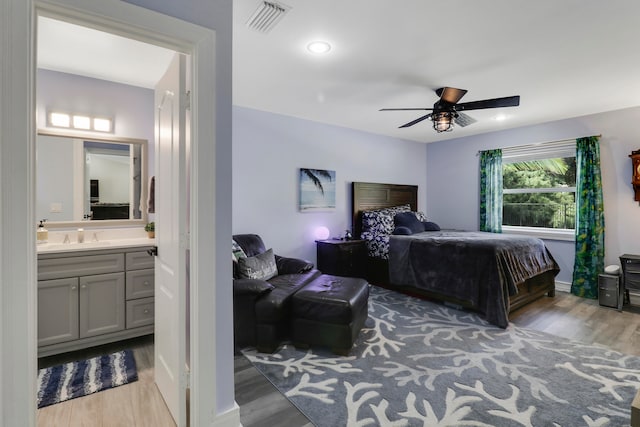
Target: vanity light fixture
x=319 y=47
x=60 y=120
x=80 y=122
x=102 y=125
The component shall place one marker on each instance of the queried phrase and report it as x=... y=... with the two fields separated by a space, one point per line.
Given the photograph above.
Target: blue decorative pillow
x=409 y=220
x=430 y=226
x=402 y=231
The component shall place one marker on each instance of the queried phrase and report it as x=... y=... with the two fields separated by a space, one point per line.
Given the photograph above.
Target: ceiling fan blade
x=418 y=120
x=463 y=120
x=405 y=109
x=450 y=94
x=509 y=101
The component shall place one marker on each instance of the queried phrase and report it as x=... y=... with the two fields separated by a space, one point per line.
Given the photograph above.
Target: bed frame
x=367 y=196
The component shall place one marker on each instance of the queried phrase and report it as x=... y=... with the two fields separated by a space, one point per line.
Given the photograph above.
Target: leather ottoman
x=330 y=312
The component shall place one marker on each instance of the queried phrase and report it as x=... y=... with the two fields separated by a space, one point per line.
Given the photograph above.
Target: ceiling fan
x=447 y=110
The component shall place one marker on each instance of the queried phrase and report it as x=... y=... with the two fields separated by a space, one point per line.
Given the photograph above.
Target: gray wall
x=453 y=178
x=269 y=149
x=131 y=107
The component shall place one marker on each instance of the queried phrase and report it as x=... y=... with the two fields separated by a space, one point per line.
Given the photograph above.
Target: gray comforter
x=481 y=269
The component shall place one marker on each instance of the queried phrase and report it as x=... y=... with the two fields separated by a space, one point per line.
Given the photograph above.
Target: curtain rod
x=541 y=143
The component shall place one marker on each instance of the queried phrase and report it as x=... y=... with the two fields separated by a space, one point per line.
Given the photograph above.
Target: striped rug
x=75 y=379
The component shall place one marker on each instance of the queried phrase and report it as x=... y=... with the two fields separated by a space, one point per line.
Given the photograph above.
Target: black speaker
x=609 y=291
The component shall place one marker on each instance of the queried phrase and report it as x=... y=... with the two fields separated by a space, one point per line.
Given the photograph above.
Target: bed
x=493 y=274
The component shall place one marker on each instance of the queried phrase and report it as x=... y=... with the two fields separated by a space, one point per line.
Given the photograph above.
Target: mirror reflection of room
x=63 y=193
x=80 y=179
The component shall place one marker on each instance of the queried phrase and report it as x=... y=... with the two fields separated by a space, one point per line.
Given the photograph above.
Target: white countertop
x=49 y=248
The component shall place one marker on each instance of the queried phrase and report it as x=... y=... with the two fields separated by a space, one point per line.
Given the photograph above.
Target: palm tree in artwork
x=315 y=176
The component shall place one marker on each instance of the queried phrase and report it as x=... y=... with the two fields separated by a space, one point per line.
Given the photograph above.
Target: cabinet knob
x=74 y=287
x=146 y=283
x=83 y=286
x=146 y=311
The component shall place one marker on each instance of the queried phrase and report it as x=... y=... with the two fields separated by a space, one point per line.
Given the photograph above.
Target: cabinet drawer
x=632 y=266
x=57 y=268
x=140 y=312
x=139 y=260
x=140 y=283
x=632 y=280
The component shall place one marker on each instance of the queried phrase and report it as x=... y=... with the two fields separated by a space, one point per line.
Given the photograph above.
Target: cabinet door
x=102 y=308
x=57 y=311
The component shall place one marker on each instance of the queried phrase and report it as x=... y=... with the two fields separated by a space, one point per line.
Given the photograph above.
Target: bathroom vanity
x=94 y=293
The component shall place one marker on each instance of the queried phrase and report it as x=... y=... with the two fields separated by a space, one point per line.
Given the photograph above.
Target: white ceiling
x=564 y=58
x=70 y=48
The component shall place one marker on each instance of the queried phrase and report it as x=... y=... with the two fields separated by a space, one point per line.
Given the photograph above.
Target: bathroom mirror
x=90 y=180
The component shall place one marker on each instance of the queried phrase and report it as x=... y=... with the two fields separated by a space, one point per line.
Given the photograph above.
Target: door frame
x=18 y=258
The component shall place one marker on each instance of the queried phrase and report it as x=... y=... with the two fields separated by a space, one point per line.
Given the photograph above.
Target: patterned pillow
x=421 y=216
x=377 y=244
x=237 y=251
x=262 y=266
x=380 y=221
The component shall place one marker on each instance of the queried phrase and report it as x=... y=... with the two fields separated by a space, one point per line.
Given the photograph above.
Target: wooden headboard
x=369 y=195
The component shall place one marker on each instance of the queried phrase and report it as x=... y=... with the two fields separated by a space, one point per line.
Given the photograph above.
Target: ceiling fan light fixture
x=443 y=121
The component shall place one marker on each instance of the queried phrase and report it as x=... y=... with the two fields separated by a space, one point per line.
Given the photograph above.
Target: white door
x=171 y=231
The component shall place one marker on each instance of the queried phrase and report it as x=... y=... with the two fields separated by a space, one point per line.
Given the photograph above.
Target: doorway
x=18 y=140
x=210 y=382
x=114 y=78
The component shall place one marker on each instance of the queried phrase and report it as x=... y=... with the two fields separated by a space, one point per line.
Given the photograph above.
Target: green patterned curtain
x=491 y=191
x=589 y=261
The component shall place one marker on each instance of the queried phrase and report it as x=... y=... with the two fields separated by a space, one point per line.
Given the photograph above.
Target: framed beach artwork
x=317 y=190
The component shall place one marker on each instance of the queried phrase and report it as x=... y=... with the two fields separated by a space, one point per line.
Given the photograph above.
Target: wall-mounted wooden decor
x=635 y=180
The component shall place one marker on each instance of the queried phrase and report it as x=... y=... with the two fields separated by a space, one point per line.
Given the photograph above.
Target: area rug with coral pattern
x=419 y=363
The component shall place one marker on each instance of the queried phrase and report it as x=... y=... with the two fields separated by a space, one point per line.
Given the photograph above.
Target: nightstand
x=630 y=274
x=342 y=257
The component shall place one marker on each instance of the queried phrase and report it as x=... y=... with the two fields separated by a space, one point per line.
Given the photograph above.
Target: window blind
x=546 y=150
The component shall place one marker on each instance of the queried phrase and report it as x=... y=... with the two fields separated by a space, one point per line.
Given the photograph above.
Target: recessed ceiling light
x=319 y=47
x=501 y=117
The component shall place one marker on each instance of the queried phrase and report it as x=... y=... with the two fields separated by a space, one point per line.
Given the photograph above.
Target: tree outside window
x=540 y=193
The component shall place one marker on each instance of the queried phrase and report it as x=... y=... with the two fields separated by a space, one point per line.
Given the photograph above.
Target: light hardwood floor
x=261 y=405
x=135 y=404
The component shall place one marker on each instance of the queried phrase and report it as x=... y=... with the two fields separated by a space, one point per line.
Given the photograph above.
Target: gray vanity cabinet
x=58 y=318
x=88 y=298
x=101 y=304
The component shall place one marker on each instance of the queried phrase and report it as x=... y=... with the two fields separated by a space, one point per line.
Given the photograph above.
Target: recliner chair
x=262 y=308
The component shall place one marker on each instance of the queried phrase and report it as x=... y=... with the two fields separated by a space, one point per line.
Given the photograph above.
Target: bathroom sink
x=73 y=246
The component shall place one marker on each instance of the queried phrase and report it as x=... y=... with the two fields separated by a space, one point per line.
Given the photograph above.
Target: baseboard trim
x=566 y=287
x=231 y=418
x=563 y=286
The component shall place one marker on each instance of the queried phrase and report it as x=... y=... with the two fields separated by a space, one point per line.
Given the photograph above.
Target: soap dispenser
x=42 y=234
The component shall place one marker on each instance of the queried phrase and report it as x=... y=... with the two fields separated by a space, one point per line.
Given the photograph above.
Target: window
x=539 y=188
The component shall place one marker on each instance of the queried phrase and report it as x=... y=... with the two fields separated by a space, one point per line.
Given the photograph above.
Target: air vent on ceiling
x=267 y=15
